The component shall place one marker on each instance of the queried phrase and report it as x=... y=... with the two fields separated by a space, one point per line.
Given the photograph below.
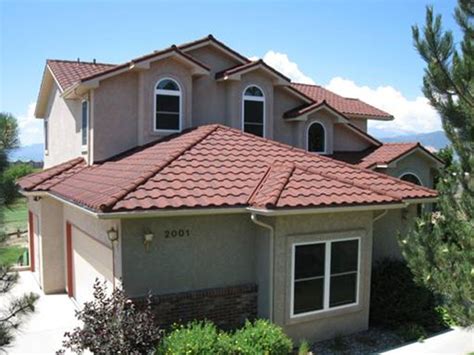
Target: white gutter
x=281 y=212
x=271 y=265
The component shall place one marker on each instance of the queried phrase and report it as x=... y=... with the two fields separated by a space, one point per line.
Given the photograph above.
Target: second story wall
x=63 y=129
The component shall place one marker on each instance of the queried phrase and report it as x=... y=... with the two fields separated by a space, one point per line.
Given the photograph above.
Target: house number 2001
x=177 y=233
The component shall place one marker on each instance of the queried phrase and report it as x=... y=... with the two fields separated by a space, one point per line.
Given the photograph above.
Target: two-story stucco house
x=220 y=186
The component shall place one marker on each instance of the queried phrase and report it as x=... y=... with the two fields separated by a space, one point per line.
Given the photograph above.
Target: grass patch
x=15 y=216
x=10 y=255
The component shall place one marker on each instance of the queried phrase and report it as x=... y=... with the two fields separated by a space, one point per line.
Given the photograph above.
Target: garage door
x=91 y=259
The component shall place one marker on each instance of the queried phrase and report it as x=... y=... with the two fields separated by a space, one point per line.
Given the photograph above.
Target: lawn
x=15 y=216
x=10 y=255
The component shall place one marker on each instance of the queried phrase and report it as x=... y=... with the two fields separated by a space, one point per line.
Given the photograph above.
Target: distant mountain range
x=433 y=140
x=28 y=152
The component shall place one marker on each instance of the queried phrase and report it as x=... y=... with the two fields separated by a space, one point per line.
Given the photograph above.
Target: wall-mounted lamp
x=112 y=234
x=147 y=239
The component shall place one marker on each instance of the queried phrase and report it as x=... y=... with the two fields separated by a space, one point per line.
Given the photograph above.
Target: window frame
x=326 y=278
x=325 y=151
x=85 y=146
x=169 y=93
x=253 y=98
x=413 y=174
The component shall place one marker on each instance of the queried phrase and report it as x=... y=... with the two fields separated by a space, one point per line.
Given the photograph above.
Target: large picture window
x=167 y=106
x=316 y=138
x=325 y=275
x=254 y=111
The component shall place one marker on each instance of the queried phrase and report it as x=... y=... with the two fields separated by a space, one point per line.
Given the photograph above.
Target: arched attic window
x=168 y=98
x=410 y=177
x=316 y=138
x=253 y=102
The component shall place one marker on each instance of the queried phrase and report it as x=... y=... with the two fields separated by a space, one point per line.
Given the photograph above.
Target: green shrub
x=195 y=338
x=261 y=337
x=411 y=332
x=304 y=348
x=396 y=300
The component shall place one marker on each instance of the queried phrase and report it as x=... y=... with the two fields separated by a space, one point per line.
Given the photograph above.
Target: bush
x=396 y=300
x=195 y=338
x=411 y=332
x=112 y=324
x=261 y=337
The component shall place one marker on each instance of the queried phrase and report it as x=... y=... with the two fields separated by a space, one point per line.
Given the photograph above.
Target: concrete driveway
x=456 y=341
x=43 y=331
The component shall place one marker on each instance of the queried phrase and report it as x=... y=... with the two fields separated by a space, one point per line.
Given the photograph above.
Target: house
x=219 y=186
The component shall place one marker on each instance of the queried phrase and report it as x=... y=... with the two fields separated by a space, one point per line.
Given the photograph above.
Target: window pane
x=344 y=256
x=308 y=296
x=253 y=91
x=411 y=178
x=167 y=103
x=253 y=111
x=343 y=290
x=316 y=142
x=84 y=122
x=45 y=134
x=167 y=85
x=254 y=129
x=309 y=260
x=167 y=121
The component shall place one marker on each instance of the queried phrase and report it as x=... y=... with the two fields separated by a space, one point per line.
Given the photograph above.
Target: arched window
x=316 y=138
x=167 y=106
x=410 y=177
x=253 y=111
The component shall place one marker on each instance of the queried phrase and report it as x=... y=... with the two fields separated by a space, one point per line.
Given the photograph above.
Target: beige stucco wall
x=416 y=163
x=360 y=123
x=388 y=228
x=291 y=229
x=115 y=116
x=64 y=129
x=219 y=251
x=346 y=140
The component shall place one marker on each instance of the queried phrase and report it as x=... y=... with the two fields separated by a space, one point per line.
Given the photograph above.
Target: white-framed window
x=316 y=138
x=85 y=124
x=46 y=135
x=325 y=276
x=253 y=111
x=168 y=106
x=411 y=177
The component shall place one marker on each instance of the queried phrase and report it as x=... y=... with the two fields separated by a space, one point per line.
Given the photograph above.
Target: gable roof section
x=247 y=67
x=217 y=166
x=383 y=155
x=68 y=72
x=348 y=106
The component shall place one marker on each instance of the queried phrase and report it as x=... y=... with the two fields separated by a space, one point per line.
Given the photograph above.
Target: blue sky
x=365 y=45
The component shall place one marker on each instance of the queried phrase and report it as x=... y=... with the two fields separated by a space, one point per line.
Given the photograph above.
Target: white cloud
x=31 y=128
x=283 y=64
x=411 y=116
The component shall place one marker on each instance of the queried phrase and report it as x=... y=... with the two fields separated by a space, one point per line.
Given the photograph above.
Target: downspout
x=254 y=219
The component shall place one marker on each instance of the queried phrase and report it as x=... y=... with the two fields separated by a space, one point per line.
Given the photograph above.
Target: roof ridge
x=79 y=62
x=112 y=200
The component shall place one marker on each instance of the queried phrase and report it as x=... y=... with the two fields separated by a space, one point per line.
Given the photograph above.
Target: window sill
x=46 y=152
x=83 y=149
x=165 y=131
x=336 y=312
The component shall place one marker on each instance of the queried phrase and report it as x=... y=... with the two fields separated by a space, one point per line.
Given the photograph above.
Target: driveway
x=456 y=341
x=43 y=331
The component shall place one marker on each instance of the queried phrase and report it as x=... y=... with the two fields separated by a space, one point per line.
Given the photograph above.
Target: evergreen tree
x=440 y=248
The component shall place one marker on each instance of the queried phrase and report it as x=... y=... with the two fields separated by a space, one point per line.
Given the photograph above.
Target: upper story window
x=46 y=135
x=167 y=106
x=254 y=111
x=325 y=275
x=316 y=138
x=410 y=177
x=85 y=123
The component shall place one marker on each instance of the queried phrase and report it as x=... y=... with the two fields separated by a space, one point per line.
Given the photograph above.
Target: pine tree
x=440 y=248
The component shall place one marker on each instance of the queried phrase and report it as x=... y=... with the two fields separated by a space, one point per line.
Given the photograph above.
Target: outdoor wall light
x=112 y=234
x=147 y=239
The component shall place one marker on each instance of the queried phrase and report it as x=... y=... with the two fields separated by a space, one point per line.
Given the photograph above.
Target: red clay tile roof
x=345 y=105
x=69 y=72
x=242 y=67
x=384 y=154
x=217 y=166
